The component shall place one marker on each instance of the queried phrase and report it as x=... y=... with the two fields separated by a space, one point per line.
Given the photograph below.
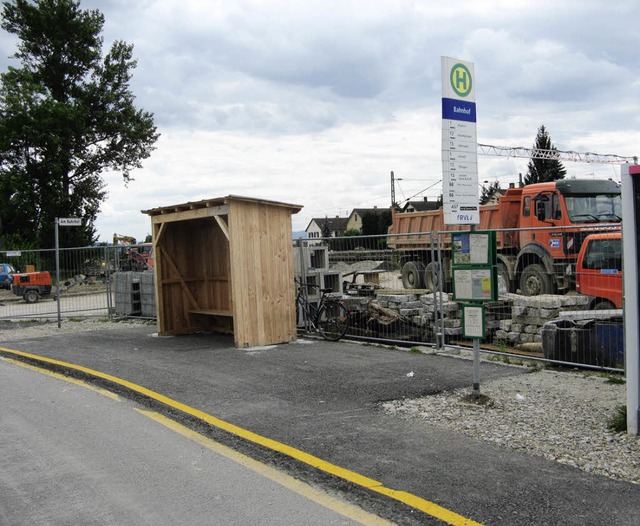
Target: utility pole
x=393 y=190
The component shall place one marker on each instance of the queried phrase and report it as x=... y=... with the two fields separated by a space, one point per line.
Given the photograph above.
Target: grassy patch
x=480 y=400
x=618 y=422
x=509 y=360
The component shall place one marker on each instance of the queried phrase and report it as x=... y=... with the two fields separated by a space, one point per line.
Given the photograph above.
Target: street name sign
x=70 y=221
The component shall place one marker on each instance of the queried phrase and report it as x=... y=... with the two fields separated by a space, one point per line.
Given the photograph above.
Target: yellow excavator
x=135 y=256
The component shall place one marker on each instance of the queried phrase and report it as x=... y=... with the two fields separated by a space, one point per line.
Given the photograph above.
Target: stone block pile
x=513 y=320
x=530 y=313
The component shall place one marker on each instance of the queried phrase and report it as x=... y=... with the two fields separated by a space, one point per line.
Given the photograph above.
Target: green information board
x=475 y=284
x=474 y=270
x=474 y=248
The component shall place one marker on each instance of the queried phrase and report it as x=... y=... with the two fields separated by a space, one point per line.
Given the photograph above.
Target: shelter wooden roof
x=215 y=206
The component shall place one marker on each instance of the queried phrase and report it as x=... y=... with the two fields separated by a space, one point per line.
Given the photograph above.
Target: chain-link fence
x=103 y=281
x=559 y=297
x=555 y=302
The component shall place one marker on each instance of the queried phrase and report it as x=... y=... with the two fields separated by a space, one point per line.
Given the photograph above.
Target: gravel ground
x=11 y=330
x=562 y=416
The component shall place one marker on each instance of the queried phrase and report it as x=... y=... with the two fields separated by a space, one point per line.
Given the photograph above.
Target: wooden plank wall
x=261 y=255
x=193 y=274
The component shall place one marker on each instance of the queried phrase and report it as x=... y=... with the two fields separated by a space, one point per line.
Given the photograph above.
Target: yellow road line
x=343 y=508
x=428 y=507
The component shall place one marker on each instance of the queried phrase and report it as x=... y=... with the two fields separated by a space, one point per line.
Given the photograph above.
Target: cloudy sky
x=316 y=102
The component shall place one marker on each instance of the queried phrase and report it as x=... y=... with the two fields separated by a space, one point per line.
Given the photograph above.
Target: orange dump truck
x=540 y=228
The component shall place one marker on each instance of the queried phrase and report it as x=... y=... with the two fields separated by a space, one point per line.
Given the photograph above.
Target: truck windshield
x=594 y=208
x=604 y=254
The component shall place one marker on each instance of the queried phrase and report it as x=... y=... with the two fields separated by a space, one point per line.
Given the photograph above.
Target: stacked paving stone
x=514 y=319
x=421 y=310
x=530 y=313
x=134 y=294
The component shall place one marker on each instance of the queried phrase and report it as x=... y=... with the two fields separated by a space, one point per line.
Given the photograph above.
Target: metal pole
x=475 y=393
x=303 y=246
x=58 y=273
x=440 y=307
x=393 y=191
x=630 y=223
x=107 y=279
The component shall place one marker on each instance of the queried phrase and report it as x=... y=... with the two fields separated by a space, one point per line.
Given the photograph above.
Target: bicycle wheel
x=333 y=320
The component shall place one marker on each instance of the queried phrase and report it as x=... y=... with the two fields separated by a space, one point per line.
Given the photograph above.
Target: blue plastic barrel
x=609 y=342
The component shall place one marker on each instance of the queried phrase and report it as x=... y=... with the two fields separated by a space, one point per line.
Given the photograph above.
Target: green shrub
x=618 y=422
x=616 y=380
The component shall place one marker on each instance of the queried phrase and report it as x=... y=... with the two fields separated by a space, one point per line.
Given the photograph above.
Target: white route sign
x=459 y=144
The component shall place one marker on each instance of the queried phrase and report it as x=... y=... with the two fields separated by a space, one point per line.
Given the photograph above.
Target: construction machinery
x=132 y=256
x=32 y=285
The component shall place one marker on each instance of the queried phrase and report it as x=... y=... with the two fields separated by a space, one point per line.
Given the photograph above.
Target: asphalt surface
x=78 y=457
x=322 y=398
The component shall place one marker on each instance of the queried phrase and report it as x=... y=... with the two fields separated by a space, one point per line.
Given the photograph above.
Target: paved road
x=73 y=456
x=321 y=398
x=80 y=304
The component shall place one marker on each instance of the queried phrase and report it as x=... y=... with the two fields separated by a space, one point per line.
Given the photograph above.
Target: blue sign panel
x=459 y=110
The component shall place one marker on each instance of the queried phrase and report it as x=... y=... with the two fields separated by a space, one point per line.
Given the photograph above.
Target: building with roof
x=355 y=218
x=421 y=206
x=323 y=227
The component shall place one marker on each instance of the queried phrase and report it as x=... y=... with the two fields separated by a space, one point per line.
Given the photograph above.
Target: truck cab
x=599 y=270
x=547 y=257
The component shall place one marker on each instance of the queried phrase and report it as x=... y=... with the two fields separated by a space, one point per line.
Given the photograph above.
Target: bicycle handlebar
x=300 y=285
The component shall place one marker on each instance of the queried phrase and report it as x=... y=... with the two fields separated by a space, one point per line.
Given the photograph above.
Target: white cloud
x=315 y=103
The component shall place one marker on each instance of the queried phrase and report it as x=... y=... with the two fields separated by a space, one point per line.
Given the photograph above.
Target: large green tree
x=376 y=223
x=547 y=168
x=67 y=114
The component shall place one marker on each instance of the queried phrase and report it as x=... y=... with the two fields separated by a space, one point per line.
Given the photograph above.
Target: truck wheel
x=504 y=283
x=431 y=277
x=603 y=305
x=31 y=296
x=535 y=281
x=412 y=273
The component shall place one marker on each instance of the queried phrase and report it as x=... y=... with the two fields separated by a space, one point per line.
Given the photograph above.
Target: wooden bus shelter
x=226 y=265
